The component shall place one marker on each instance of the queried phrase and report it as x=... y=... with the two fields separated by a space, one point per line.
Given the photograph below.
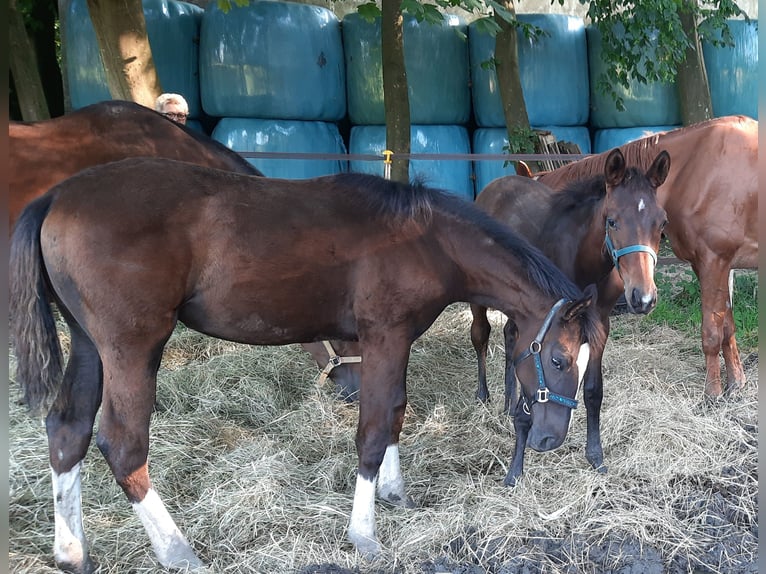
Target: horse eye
x=611 y=222
x=556 y=363
x=663 y=224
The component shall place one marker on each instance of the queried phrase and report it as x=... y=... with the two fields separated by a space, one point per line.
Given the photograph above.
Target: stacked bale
x=173 y=30
x=274 y=72
x=733 y=70
x=436 y=60
x=554 y=78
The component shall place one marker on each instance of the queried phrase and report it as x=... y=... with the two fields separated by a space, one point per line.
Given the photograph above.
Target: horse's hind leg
x=123 y=438
x=735 y=374
x=69 y=425
x=714 y=294
x=480 y=330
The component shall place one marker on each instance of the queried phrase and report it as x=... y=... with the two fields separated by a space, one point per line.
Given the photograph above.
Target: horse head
x=633 y=225
x=551 y=366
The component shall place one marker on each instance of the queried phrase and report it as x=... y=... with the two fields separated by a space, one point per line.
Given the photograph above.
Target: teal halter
x=617 y=253
x=543 y=394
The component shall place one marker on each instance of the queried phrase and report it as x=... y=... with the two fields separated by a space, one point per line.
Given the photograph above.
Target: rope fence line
x=388 y=156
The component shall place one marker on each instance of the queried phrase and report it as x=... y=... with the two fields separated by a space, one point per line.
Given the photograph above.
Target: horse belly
x=271 y=313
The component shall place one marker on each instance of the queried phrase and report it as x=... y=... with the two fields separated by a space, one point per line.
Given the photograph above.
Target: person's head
x=173 y=106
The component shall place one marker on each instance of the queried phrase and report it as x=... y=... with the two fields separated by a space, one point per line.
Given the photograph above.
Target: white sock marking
x=69 y=543
x=390 y=480
x=170 y=546
x=362 y=524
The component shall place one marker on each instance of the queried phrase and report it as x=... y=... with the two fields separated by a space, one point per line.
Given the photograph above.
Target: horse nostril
x=642 y=303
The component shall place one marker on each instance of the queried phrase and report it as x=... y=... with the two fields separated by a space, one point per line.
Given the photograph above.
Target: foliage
x=645 y=40
x=521 y=139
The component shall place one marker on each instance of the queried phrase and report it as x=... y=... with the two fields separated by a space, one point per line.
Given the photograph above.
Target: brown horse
x=129 y=248
x=711 y=198
x=41 y=154
x=44 y=153
x=606 y=231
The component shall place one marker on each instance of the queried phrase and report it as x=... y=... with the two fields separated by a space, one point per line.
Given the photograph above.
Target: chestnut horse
x=605 y=230
x=44 y=153
x=711 y=198
x=129 y=248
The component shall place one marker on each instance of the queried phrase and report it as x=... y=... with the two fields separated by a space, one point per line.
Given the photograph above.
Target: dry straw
x=257 y=464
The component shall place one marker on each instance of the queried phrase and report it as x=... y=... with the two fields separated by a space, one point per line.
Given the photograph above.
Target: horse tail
x=33 y=326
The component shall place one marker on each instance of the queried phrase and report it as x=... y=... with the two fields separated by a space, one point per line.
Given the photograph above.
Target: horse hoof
x=86 y=567
x=368 y=548
x=601 y=468
x=396 y=500
x=511 y=480
x=734 y=389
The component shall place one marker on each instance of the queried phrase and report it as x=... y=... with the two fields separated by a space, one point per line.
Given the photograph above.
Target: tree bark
x=396 y=100
x=509 y=75
x=63 y=18
x=124 y=45
x=693 y=87
x=22 y=60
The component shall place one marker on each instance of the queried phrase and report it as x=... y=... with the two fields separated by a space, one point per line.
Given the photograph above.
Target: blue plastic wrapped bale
x=284 y=136
x=450 y=175
x=645 y=104
x=494 y=141
x=732 y=71
x=490 y=141
x=271 y=59
x=553 y=70
x=609 y=138
x=436 y=60
x=173 y=30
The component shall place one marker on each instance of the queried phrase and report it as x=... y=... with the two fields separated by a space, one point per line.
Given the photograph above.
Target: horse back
x=521 y=203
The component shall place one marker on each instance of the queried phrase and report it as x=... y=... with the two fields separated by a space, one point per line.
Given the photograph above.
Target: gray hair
x=165 y=99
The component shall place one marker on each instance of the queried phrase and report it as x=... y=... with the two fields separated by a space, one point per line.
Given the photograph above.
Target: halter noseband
x=543 y=394
x=617 y=253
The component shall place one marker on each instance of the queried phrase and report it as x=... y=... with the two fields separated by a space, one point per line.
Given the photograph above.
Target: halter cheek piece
x=617 y=253
x=544 y=394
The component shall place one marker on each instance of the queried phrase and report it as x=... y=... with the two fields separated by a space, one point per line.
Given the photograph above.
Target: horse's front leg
x=593 y=394
x=480 y=330
x=382 y=402
x=511 y=334
x=522 y=422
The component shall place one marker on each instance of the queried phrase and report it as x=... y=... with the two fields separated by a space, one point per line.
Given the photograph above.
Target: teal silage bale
x=451 y=175
x=553 y=70
x=732 y=71
x=436 y=60
x=272 y=59
x=609 y=138
x=284 y=136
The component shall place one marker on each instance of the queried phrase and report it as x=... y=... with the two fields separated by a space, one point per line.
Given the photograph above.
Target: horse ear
x=659 y=169
x=577 y=308
x=614 y=170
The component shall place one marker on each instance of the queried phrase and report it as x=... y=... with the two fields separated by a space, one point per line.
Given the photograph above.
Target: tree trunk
x=509 y=76
x=396 y=101
x=124 y=45
x=693 y=87
x=23 y=66
x=63 y=18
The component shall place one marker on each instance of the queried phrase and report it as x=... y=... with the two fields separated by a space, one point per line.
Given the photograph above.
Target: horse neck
x=492 y=275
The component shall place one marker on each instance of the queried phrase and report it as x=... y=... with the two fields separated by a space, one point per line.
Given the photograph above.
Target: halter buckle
x=335 y=361
x=535 y=347
x=542 y=395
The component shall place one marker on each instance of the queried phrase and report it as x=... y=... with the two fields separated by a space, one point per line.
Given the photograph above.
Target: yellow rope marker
x=387 y=153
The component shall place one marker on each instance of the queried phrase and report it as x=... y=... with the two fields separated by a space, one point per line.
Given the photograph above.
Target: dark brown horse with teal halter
x=129 y=248
x=44 y=153
x=711 y=198
x=604 y=230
